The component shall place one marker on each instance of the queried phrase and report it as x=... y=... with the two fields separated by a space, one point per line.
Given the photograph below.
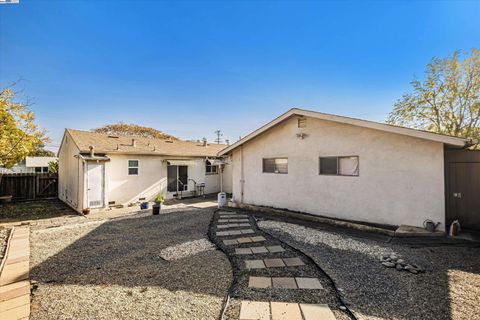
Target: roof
x=39 y=161
x=107 y=144
x=448 y=140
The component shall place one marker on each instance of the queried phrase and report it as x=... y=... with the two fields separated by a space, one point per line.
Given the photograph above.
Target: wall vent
x=302 y=122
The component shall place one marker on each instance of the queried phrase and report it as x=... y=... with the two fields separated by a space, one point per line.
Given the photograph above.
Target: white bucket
x=222 y=199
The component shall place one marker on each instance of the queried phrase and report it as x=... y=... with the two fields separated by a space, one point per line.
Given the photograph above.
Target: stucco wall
x=70 y=175
x=152 y=178
x=401 y=178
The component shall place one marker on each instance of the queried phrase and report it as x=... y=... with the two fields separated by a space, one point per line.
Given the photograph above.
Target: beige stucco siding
x=70 y=174
x=151 y=179
x=401 y=178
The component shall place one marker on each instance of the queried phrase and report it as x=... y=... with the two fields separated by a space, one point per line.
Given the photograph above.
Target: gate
x=462 y=188
x=29 y=186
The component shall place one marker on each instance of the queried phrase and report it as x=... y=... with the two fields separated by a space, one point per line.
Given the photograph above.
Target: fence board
x=29 y=186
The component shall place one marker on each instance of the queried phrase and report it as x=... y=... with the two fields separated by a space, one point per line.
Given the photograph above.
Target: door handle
x=457 y=195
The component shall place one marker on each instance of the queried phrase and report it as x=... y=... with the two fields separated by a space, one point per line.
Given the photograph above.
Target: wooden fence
x=29 y=186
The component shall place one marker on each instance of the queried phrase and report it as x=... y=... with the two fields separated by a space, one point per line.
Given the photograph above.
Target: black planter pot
x=156 y=208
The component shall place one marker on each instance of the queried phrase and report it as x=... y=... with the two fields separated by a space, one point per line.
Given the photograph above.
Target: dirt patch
x=34 y=210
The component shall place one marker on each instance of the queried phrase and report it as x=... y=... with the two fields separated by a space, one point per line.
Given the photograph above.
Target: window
x=133 y=167
x=41 y=169
x=275 y=165
x=209 y=168
x=340 y=166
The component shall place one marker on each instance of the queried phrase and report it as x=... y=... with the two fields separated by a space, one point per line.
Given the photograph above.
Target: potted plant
x=158 y=203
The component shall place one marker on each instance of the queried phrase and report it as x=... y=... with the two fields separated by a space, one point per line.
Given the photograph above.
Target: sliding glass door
x=177 y=178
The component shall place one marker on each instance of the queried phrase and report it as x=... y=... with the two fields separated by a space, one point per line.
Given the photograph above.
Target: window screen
x=342 y=166
x=275 y=165
x=209 y=168
x=132 y=167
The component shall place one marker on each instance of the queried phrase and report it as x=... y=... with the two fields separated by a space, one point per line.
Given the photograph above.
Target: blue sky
x=188 y=68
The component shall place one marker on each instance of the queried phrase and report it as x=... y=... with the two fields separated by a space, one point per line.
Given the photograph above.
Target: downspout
x=221 y=177
x=242 y=177
x=78 y=182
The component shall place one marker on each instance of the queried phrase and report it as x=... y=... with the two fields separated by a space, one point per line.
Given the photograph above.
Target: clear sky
x=188 y=68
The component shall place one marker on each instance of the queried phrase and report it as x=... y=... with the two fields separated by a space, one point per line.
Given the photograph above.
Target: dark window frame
x=137 y=167
x=209 y=168
x=275 y=171
x=338 y=166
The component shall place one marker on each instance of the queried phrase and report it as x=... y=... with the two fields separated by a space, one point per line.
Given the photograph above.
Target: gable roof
x=448 y=140
x=107 y=144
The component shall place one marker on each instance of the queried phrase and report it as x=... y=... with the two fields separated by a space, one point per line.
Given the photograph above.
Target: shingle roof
x=448 y=140
x=103 y=143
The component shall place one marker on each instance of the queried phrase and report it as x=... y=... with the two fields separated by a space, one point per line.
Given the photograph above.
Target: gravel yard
x=113 y=269
x=449 y=289
x=241 y=291
x=4 y=232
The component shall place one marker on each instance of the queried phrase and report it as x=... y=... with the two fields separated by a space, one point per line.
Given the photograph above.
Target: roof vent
x=115 y=137
x=205 y=143
x=92 y=151
x=168 y=141
x=134 y=143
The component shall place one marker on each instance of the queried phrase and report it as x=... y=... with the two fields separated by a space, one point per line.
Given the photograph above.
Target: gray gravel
x=4 y=232
x=449 y=289
x=240 y=290
x=112 y=269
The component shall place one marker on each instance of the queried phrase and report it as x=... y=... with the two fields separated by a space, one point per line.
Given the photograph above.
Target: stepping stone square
x=275 y=249
x=254 y=264
x=286 y=311
x=244 y=240
x=284 y=283
x=308 y=283
x=243 y=251
x=274 y=263
x=259 y=282
x=293 y=262
x=317 y=311
x=254 y=310
x=258 y=239
x=230 y=242
x=258 y=249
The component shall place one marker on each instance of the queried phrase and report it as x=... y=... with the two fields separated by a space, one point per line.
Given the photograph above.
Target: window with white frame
x=133 y=167
x=275 y=165
x=209 y=168
x=339 y=166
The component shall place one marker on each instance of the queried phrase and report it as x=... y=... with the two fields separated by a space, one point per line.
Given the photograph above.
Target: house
x=98 y=170
x=343 y=168
x=31 y=165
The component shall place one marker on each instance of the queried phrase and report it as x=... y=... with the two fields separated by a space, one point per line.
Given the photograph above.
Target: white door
x=95 y=185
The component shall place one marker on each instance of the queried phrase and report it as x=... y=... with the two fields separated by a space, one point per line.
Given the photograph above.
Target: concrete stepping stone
x=254 y=310
x=247 y=231
x=308 y=283
x=258 y=249
x=244 y=240
x=275 y=249
x=286 y=311
x=243 y=251
x=274 y=263
x=316 y=312
x=254 y=264
x=293 y=262
x=234 y=232
x=259 y=310
x=259 y=282
x=284 y=283
x=230 y=242
x=258 y=239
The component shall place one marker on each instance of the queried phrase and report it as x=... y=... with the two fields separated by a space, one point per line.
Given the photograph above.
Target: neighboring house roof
x=38 y=161
x=449 y=140
x=103 y=143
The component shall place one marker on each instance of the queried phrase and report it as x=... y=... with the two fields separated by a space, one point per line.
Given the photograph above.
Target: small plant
x=160 y=198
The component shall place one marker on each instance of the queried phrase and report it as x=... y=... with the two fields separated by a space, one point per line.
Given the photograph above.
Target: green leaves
x=19 y=135
x=447 y=101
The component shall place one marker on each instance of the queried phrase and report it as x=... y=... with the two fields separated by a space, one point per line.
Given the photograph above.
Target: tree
x=447 y=101
x=53 y=166
x=133 y=130
x=40 y=151
x=19 y=135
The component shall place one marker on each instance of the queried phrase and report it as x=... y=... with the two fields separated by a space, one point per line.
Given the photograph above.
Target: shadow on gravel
x=125 y=252
x=351 y=258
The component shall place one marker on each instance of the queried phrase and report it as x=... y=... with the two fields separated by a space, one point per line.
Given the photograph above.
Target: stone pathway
x=271 y=280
